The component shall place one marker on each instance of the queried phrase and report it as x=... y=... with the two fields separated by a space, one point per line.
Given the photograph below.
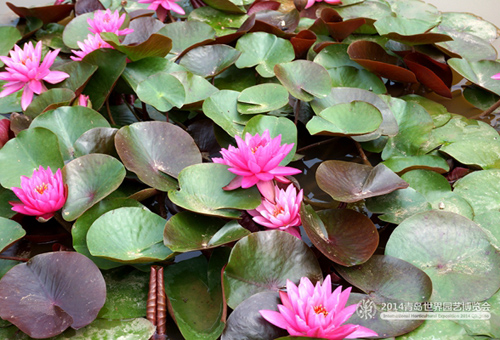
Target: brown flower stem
x=160 y=197
x=145 y=115
x=111 y=119
x=131 y=109
x=321 y=205
x=296 y=110
x=362 y=153
x=316 y=144
x=66 y=225
x=161 y=304
x=151 y=304
x=487 y=111
x=13 y=258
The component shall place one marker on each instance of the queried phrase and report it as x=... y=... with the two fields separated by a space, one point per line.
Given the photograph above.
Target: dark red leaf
x=437 y=76
x=302 y=42
x=86 y=6
x=46 y=13
x=258 y=6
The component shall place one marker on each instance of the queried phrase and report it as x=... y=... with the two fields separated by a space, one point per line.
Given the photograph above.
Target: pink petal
x=361 y=332
x=55 y=77
x=274 y=317
x=26 y=98
x=11 y=88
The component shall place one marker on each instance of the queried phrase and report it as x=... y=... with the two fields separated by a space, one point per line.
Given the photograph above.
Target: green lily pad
x=50 y=99
x=156 y=45
x=348 y=76
x=263 y=261
x=221 y=107
x=69 y=123
x=352 y=182
x=222 y=22
x=11 y=103
x=480 y=189
x=187 y=231
x=126 y=294
x=90 y=178
x=263 y=50
x=478 y=72
x=479 y=97
x=80 y=73
x=438 y=112
x=110 y=65
x=262 y=98
x=77 y=30
x=487 y=328
x=196 y=297
x=304 y=79
x=387 y=280
x=452 y=250
x=5 y=208
x=185 y=34
x=276 y=126
x=489 y=221
x=51 y=36
x=343 y=235
x=96 y=140
x=210 y=60
x=102 y=329
x=162 y=90
x=355 y=118
x=145 y=149
x=25 y=153
x=129 y=235
x=8 y=37
x=82 y=225
x=235 y=79
x=401 y=165
x=196 y=88
x=201 y=191
x=10 y=232
x=138 y=71
x=447 y=329
x=483 y=152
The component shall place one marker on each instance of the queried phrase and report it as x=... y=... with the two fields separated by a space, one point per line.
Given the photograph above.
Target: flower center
x=41 y=188
x=320 y=310
x=278 y=210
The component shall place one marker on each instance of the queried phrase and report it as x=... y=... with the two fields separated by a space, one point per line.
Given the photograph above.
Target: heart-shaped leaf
x=343 y=235
x=10 y=232
x=197 y=89
x=478 y=72
x=145 y=149
x=201 y=191
x=185 y=34
x=162 y=90
x=66 y=288
x=263 y=261
x=130 y=235
x=90 y=178
x=77 y=30
x=80 y=73
x=262 y=98
x=156 y=45
x=210 y=60
x=221 y=107
x=138 y=71
x=48 y=100
x=222 y=22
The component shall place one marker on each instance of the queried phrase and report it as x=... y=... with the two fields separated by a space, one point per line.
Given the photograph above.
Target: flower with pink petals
x=162 y=6
x=107 y=21
x=25 y=71
x=92 y=43
x=5 y=132
x=256 y=161
x=41 y=195
x=496 y=76
x=281 y=213
x=330 y=2
x=83 y=100
x=314 y=311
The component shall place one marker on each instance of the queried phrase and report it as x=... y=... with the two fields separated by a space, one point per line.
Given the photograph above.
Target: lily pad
x=66 y=288
x=352 y=182
x=480 y=189
x=479 y=97
x=262 y=98
x=401 y=164
x=222 y=22
x=185 y=34
x=77 y=30
x=211 y=60
x=304 y=79
x=5 y=208
x=69 y=123
x=438 y=112
x=162 y=90
x=8 y=37
x=10 y=232
x=156 y=45
x=80 y=73
x=478 y=72
x=187 y=231
x=445 y=328
x=197 y=88
x=344 y=236
x=483 y=153
x=452 y=250
x=23 y=154
x=96 y=140
x=102 y=329
x=138 y=71
x=129 y=235
x=201 y=191
x=90 y=178
x=263 y=261
x=50 y=99
x=263 y=50
x=145 y=149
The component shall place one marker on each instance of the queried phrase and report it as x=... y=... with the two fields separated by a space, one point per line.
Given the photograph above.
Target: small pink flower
x=256 y=161
x=282 y=212
x=41 y=195
x=165 y=5
x=92 y=43
x=107 y=21
x=83 y=100
x=331 y=2
x=314 y=311
x=496 y=76
x=25 y=71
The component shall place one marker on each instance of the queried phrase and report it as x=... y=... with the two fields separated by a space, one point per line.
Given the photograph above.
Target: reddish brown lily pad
x=46 y=13
x=435 y=75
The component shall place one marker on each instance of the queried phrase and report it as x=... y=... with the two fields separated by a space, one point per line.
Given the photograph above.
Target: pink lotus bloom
x=496 y=76
x=41 y=195
x=316 y=312
x=281 y=213
x=161 y=6
x=107 y=21
x=331 y=2
x=92 y=43
x=24 y=70
x=256 y=161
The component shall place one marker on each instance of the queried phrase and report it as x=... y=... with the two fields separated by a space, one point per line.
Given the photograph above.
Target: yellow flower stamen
x=41 y=188
x=278 y=210
x=320 y=310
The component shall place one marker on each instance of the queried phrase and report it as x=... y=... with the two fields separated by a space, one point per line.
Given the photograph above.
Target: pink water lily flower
x=83 y=100
x=41 y=195
x=330 y=2
x=107 y=21
x=162 y=6
x=314 y=311
x=23 y=70
x=281 y=213
x=256 y=161
x=496 y=76
x=92 y=43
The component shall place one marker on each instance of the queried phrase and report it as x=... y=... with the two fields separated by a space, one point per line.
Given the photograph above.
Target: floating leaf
x=185 y=34
x=146 y=149
x=211 y=60
x=80 y=73
x=162 y=90
x=222 y=22
x=438 y=112
x=343 y=235
x=130 y=235
x=45 y=13
x=90 y=178
x=201 y=191
x=478 y=72
x=8 y=37
x=401 y=165
x=96 y=140
x=262 y=98
x=483 y=153
x=452 y=250
x=263 y=261
x=435 y=75
x=66 y=288
x=196 y=88
x=263 y=50
x=445 y=328
x=50 y=99
x=479 y=97
x=103 y=329
x=156 y=45
x=10 y=232
x=138 y=71
x=480 y=189
x=5 y=208
x=77 y=30
x=187 y=231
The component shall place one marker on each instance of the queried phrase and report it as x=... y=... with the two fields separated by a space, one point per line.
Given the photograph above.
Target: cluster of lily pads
x=268 y=156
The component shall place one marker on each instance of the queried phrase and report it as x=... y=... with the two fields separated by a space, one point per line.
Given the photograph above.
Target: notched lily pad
x=262 y=98
x=211 y=60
